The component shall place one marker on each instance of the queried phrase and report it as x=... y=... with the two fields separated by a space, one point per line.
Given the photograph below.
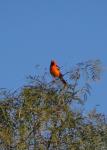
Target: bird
x=55 y=71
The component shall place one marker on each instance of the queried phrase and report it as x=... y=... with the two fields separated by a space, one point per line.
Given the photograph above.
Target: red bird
x=55 y=72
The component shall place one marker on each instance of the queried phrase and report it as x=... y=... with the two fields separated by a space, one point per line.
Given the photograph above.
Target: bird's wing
x=58 y=67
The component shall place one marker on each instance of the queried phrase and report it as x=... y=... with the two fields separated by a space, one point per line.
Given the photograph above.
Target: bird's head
x=53 y=62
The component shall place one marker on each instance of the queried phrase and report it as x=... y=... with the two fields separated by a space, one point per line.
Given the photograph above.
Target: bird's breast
x=54 y=71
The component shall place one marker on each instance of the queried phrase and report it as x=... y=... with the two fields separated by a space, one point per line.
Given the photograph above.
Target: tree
x=41 y=115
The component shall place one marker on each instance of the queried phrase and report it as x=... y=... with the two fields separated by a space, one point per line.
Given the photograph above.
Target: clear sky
x=34 y=32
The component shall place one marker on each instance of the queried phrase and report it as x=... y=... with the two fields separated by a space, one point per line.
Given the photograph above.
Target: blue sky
x=34 y=32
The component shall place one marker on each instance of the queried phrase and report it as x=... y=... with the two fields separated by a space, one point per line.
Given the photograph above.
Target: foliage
x=41 y=115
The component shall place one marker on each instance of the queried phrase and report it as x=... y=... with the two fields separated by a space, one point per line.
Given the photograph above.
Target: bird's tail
x=62 y=79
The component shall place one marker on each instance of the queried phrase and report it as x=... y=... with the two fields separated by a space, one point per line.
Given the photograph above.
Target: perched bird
x=55 y=72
